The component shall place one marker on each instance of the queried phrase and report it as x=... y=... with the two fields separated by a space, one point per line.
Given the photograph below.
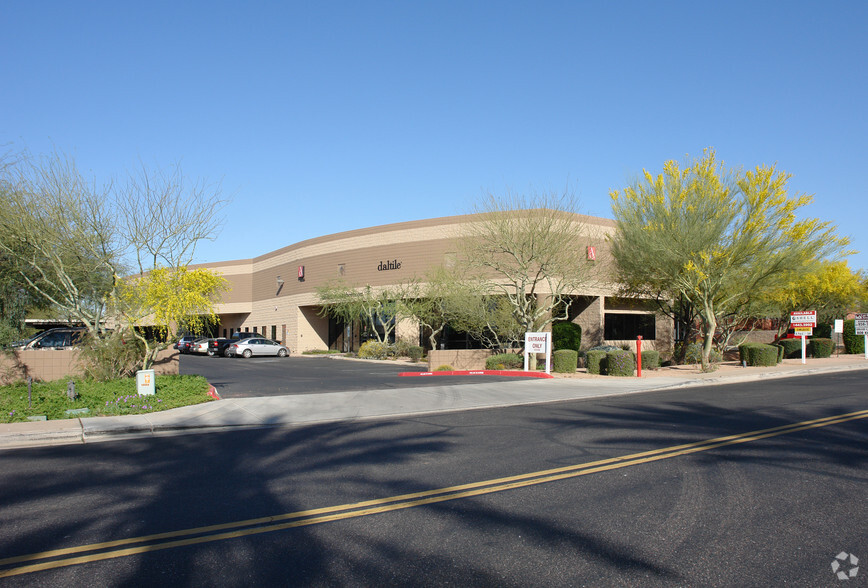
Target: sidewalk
x=350 y=406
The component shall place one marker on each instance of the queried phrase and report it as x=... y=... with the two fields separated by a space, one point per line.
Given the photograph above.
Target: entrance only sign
x=538 y=343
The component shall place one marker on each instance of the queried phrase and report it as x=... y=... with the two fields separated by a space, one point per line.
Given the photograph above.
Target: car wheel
x=247 y=353
x=281 y=353
x=211 y=353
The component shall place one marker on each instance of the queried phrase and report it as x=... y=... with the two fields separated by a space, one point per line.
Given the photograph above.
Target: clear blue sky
x=321 y=117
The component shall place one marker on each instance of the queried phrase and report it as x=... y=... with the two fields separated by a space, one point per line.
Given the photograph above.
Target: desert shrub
x=400 y=349
x=759 y=354
x=110 y=357
x=693 y=354
x=820 y=347
x=620 y=363
x=505 y=361
x=565 y=361
x=444 y=368
x=853 y=343
x=650 y=360
x=566 y=335
x=415 y=352
x=792 y=347
x=373 y=350
x=595 y=360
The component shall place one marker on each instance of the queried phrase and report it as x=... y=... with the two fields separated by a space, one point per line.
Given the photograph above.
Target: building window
x=627 y=326
x=274 y=332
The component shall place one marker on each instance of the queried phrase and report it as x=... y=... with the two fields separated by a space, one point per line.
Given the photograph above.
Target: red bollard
x=639 y=356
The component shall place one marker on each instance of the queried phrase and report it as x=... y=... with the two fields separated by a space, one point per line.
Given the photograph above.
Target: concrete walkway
x=350 y=406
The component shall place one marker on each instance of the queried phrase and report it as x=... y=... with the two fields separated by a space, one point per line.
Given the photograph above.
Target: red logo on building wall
x=592 y=253
x=300 y=272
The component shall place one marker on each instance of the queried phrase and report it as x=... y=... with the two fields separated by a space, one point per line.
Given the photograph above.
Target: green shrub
x=596 y=361
x=565 y=361
x=505 y=361
x=820 y=347
x=620 y=363
x=758 y=354
x=853 y=343
x=566 y=335
x=373 y=350
x=823 y=331
x=792 y=347
x=650 y=360
x=444 y=368
x=415 y=352
x=780 y=352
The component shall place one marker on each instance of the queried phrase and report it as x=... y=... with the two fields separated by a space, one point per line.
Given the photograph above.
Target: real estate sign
x=861 y=323
x=803 y=318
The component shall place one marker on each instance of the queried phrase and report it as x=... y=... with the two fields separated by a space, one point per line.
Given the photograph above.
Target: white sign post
x=803 y=321
x=538 y=343
x=861 y=325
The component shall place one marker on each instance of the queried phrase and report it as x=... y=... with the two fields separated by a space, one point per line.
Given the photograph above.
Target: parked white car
x=256 y=346
x=200 y=345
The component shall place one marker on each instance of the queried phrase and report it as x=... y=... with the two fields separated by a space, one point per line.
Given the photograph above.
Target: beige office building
x=275 y=293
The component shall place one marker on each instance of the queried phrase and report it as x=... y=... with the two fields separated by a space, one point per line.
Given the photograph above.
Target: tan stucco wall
x=53 y=364
x=258 y=299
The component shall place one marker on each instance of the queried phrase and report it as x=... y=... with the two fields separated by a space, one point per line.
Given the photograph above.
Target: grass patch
x=117 y=397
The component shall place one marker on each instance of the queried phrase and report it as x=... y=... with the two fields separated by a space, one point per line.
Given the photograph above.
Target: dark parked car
x=185 y=343
x=54 y=339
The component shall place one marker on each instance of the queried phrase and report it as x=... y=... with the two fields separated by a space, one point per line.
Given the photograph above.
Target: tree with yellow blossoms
x=829 y=287
x=165 y=298
x=715 y=237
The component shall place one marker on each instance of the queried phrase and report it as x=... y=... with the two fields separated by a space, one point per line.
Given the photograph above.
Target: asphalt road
x=625 y=491
x=273 y=376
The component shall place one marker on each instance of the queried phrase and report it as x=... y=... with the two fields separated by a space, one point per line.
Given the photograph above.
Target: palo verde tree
x=378 y=309
x=829 y=287
x=165 y=297
x=523 y=247
x=71 y=242
x=714 y=236
x=59 y=236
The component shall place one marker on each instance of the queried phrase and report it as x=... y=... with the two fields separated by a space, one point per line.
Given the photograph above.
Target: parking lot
x=274 y=376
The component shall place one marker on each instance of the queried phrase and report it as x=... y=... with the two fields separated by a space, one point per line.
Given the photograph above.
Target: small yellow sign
x=805 y=330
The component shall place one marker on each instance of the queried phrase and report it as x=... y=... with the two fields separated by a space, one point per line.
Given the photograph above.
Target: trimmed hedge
x=566 y=335
x=596 y=361
x=620 y=363
x=565 y=361
x=650 y=360
x=823 y=331
x=759 y=354
x=820 y=347
x=792 y=348
x=415 y=352
x=505 y=361
x=853 y=343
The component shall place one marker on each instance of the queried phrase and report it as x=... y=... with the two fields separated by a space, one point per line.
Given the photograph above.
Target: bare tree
x=524 y=248
x=58 y=231
x=165 y=216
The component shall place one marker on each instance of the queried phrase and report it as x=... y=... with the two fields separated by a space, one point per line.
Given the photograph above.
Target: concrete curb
x=302 y=410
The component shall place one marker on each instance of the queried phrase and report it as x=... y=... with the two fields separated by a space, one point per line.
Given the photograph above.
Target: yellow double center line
x=57 y=558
